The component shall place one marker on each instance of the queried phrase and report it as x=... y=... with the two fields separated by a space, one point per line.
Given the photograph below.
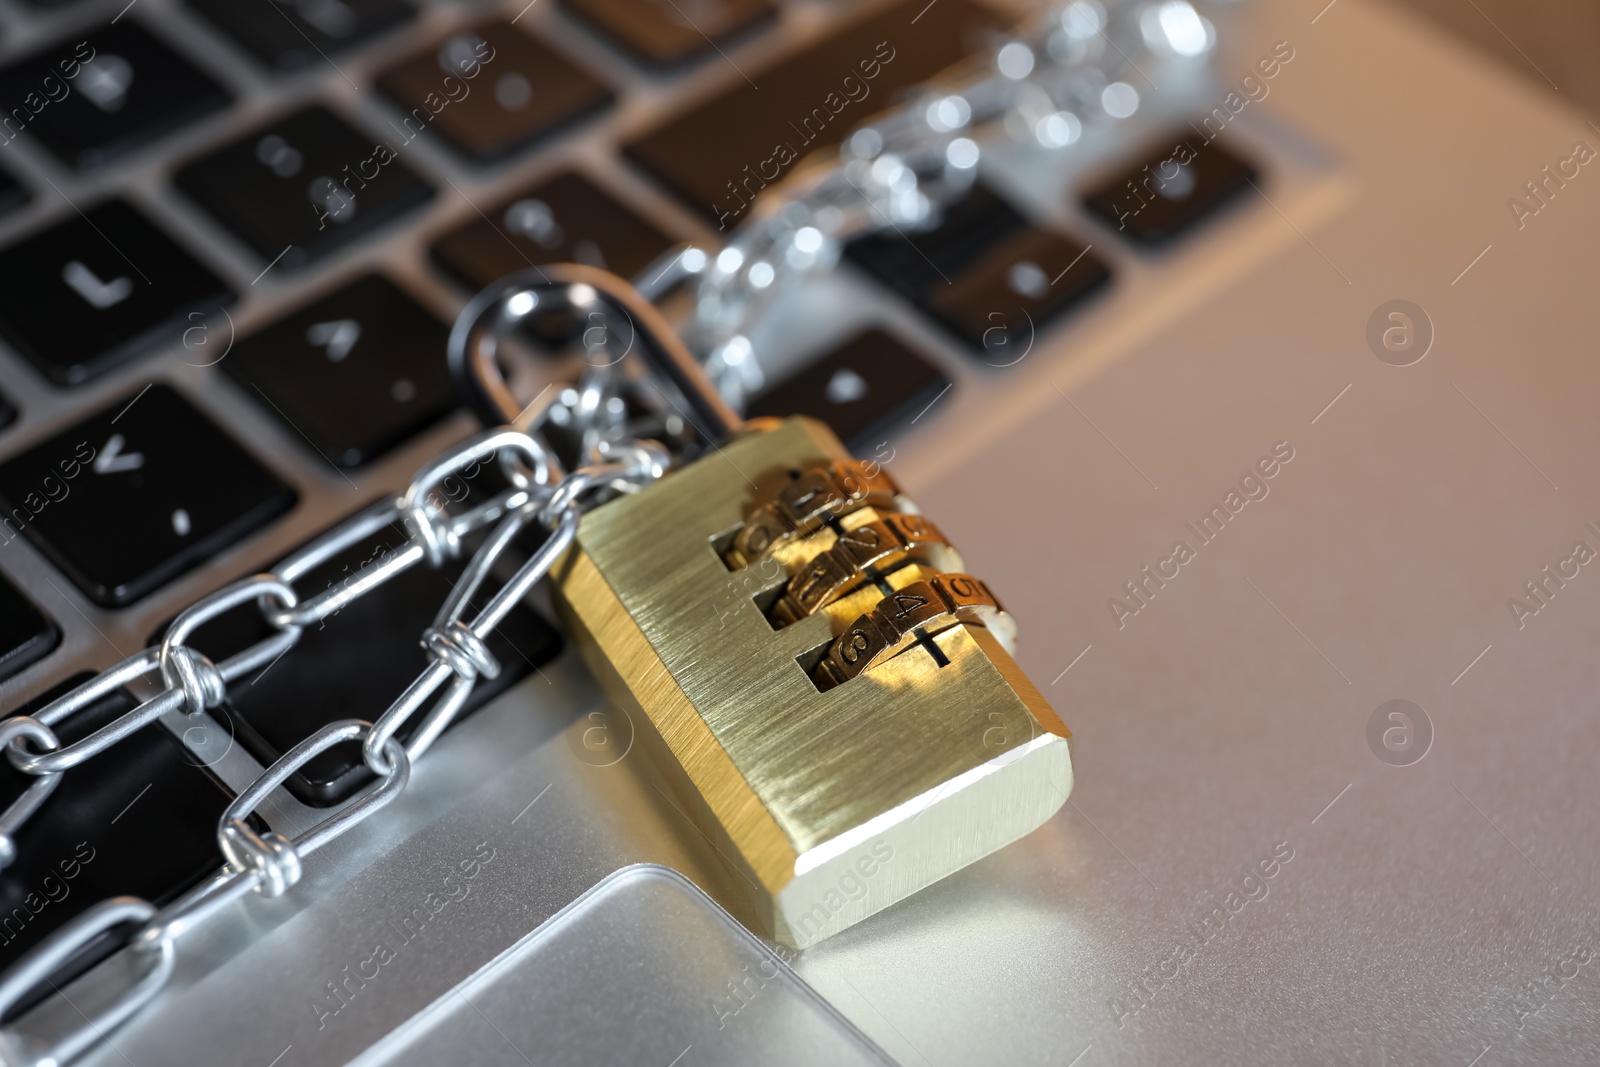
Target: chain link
x=1053 y=78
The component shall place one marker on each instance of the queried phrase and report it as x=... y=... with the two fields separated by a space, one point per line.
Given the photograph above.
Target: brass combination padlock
x=834 y=702
x=829 y=697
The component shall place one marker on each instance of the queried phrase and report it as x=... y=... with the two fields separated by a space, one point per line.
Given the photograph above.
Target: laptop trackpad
x=643 y=968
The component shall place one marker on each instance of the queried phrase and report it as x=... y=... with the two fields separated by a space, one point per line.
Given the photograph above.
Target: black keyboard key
x=95 y=289
x=490 y=89
x=26 y=634
x=1014 y=289
x=1171 y=190
x=355 y=373
x=291 y=34
x=307 y=183
x=92 y=99
x=719 y=155
x=357 y=662
x=665 y=33
x=138 y=819
x=12 y=195
x=862 y=389
x=157 y=489
x=914 y=261
x=985 y=274
x=563 y=220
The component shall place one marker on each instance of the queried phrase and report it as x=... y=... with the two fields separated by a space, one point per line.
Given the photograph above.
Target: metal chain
x=270 y=863
x=1053 y=78
x=1053 y=81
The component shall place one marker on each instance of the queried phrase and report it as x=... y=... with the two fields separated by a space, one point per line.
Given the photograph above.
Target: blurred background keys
x=664 y=33
x=490 y=89
x=1171 y=190
x=564 y=219
x=97 y=288
x=359 y=660
x=139 y=818
x=94 y=98
x=719 y=154
x=155 y=488
x=355 y=373
x=985 y=273
x=862 y=389
x=299 y=188
x=26 y=633
x=290 y=34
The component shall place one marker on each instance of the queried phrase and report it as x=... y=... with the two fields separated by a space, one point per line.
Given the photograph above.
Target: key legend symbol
x=111 y=459
x=338 y=337
x=462 y=54
x=105 y=80
x=1027 y=278
x=180 y=523
x=338 y=202
x=846 y=386
x=513 y=91
x=534 y=220
x=88 y=285
x=279 y=156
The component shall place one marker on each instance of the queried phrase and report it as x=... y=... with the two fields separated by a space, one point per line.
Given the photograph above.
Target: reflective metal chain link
x=1071 y=69
x=1062 y=72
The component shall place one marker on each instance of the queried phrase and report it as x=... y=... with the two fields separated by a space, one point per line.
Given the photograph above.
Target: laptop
x=1282 y=476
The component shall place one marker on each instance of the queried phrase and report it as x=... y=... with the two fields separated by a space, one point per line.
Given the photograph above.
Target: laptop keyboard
x=477 y=140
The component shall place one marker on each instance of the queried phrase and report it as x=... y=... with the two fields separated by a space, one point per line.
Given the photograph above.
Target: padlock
x=826 y=693
x=842 y=763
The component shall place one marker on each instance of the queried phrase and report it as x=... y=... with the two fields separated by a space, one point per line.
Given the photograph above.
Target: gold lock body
x=833 y=799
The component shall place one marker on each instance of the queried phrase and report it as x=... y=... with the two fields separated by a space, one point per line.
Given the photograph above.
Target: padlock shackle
x=572 y=287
